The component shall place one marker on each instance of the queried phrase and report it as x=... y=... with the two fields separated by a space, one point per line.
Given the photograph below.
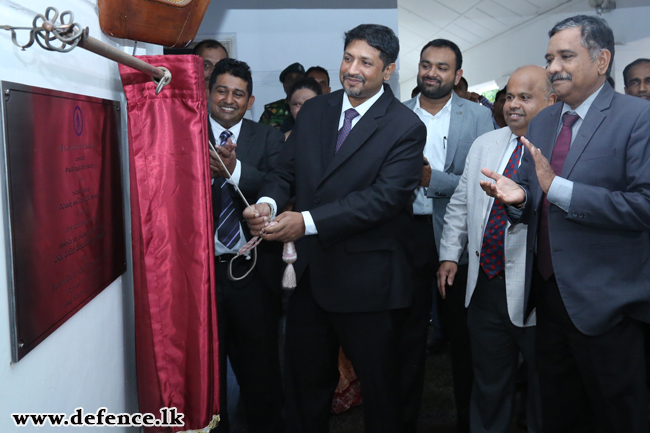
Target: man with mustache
x=636 y=76
x=584 y=191
x=453 y=123
x=249 y=310
x=497 y=263
x=352 y=161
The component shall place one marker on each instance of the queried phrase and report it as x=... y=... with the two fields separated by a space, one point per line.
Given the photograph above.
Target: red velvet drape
x=173 y=252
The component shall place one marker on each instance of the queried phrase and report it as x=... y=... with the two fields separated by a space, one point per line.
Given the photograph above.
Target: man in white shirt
x=452 y=125
x=352 y=161
x=249 y=310
x=497 y=263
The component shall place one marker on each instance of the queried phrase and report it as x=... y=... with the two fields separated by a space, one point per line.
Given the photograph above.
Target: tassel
x=289 y=256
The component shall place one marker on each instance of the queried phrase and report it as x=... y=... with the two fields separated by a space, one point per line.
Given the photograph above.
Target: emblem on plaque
x=78 y=121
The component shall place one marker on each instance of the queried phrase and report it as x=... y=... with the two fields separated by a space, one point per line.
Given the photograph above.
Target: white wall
x=269 y=40
x=89 y=361
x=497 y=58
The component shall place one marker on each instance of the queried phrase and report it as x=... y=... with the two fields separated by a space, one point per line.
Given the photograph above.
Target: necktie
x=492 y=252
x=228 y=229
x=560 y=152
x=350 y=114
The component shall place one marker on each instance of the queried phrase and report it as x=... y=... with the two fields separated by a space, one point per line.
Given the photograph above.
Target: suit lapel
x=329 y=127
x=456 y=119
x=590 y=124
x=359 y=134
x=494 y=156
x=245 y=140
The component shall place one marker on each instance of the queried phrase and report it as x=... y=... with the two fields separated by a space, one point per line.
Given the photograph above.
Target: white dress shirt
x=435 y=150
x=310 y=227
x=217 y=129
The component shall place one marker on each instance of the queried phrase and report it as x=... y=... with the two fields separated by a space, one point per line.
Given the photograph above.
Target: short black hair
x=500 y=92
x=445 y=43
x=306 y=83
x=626 y=71
x=209 y=43
x=377 y=36
x=319 y=69
x=595 y=34
x=462 y=81
x=236 y=68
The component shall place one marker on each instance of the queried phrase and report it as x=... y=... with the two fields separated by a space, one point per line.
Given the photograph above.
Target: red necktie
x=560 y=152
x=350 y=114
x=492 y=252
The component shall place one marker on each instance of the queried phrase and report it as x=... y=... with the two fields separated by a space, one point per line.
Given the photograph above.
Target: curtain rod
x=48 y=34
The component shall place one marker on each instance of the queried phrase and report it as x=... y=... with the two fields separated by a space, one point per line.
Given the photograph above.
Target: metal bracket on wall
x=65 y=35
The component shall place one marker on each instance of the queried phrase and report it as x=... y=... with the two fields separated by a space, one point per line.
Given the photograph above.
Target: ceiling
x=468 y=23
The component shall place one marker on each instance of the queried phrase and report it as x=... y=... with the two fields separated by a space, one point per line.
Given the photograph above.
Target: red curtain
x=173 y=252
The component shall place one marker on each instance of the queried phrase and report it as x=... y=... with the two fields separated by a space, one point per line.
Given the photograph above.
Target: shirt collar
x=217 y=129
x=418 y=107
x=585 y=106
x=364 y=107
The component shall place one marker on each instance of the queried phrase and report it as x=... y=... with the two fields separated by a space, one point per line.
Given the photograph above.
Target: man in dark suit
x=249 y=309
x=351 y=222
x=589 y=214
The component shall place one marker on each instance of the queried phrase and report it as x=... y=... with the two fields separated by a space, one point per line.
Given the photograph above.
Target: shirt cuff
x=272 y=204
x=310 y=227
x=235 y=175
x=560 y=193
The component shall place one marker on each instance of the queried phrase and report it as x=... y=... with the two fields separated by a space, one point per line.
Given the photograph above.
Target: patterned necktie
x=492 y=252
x=560 y=152
x=350 y=114
x=228 y=230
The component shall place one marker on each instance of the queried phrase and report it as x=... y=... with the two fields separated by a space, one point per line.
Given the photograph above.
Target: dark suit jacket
x=359 y=200
x=258 y=146
x=601 y=246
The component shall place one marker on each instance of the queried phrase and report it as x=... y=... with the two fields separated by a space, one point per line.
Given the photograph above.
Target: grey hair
x=596 y=35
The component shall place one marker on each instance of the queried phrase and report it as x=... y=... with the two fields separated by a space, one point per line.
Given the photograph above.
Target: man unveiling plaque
x=65 y=224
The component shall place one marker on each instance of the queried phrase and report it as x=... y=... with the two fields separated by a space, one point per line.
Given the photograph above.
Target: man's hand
x=473 y=96
x=505 y=189
x=545 y=173
x=228 y=156
x=425 y=180
x=287 y=227
x=257 y=217
x=446 y=273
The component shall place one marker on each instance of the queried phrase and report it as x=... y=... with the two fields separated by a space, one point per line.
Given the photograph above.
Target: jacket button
x=575 y=214
x=477 y=254
x=317 y=200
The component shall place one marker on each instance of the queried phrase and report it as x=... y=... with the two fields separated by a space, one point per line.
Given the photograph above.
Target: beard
x=441 y=91
x=351 y=92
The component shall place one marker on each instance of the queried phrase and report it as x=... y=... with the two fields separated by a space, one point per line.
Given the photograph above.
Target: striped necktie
x=228 y=229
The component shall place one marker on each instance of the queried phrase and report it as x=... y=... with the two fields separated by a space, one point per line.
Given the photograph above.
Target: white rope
x=253 y=242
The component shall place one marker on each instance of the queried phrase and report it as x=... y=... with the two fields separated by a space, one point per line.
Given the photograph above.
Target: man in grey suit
x=452 y=125
x=589 y=214
x=249 y=309
x=497 y=262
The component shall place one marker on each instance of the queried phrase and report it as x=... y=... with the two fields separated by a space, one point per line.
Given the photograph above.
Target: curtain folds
x=173 y=252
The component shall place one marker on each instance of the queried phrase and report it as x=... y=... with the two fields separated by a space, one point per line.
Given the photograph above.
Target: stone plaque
x=65 y=226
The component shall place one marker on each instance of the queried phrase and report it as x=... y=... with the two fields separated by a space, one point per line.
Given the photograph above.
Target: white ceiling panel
x=466 y=22
x=416 y=23
x=478 y=16
x=432 y=11
x=520 y=7
x=465 y=34
x=473 y=27
x=460 y=6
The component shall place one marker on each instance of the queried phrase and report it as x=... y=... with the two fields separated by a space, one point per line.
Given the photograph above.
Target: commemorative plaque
x=65 y=225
